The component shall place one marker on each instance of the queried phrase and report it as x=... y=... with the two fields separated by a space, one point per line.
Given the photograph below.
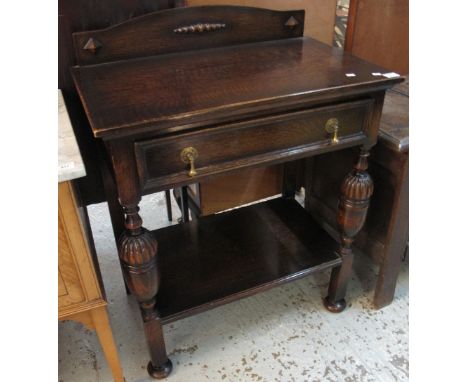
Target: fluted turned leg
x=138 y=255
x=356 y=191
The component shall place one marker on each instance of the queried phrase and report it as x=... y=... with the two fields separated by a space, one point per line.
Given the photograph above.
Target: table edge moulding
x=182 y=95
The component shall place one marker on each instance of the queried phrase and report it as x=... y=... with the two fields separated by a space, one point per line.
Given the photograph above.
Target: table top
x=70 y=164
x=199 y=87
x=394 y=125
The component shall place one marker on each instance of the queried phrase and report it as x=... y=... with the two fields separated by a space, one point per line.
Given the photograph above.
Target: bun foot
x=334 y=307
x=160 y=372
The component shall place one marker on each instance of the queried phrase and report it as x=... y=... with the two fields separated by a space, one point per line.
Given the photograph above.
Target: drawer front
x=249 y=143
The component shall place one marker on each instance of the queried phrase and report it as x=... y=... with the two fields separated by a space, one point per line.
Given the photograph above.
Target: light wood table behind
x=81 y=295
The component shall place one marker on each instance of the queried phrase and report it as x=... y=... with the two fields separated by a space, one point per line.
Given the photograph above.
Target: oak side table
x=81 y=294
x=182 y=95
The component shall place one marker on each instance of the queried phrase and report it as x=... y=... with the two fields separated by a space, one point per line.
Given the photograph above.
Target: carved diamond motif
x=292 y=22
x=92 y=45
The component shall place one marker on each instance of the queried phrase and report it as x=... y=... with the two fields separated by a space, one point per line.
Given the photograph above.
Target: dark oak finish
x=168 y=204
x=183 y=29
x=82 y=15
x=183 y=197
x=171 y=119
x=319 y=14
x=170 y=93
x=394 y=126
x=184 y=206
x=223 y=257
x=138 y=256
x=115 y=209
x=356 y=190
x=384 y=237
x=248 y=143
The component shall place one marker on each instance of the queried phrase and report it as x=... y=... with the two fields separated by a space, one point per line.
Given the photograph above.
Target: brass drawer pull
x=331 y=127
x=188 y=155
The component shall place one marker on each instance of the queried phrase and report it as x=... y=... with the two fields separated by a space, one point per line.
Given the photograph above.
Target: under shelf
x=221 y=258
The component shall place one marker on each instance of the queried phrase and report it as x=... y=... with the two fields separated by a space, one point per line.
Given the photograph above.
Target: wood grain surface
x=319 y=14
x=160 y=32
x=262 y=245
x=174 y=90
x=232 y=190
x=79 y=284
x=257 y=141
x=284 y=90
x=378 y=31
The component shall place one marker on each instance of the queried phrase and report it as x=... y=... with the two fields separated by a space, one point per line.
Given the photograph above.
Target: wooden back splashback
x=319 y=14
x=183 y=29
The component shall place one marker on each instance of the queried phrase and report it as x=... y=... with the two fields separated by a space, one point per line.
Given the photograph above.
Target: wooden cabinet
x=247 y=91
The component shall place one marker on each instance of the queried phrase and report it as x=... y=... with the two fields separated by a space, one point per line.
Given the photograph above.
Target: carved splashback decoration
x=200 y=28
x=183 y=29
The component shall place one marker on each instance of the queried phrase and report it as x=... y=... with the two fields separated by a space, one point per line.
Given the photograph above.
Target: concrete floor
x=280 y=335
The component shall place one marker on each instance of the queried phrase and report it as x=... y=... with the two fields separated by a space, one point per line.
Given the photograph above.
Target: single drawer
x=163 y=161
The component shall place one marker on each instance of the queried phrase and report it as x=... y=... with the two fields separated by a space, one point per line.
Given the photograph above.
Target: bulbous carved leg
x=356 y=191
x=137 y=252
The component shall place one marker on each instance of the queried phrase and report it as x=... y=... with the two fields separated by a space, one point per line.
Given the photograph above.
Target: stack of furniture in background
x=81 y=294
x=377 y=31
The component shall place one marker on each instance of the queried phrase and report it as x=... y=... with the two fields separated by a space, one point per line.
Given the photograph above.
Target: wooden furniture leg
x=356 y=191
x=115 y=209
x=97 y=319
x=184 y=207
x=101 y=324
x=193 y=202
x=397 y=239
x=168 y=204
x=138 y=256
x=137 y=252
x=182 y=200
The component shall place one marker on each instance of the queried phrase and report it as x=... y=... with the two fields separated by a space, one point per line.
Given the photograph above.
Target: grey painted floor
x=281 y=335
